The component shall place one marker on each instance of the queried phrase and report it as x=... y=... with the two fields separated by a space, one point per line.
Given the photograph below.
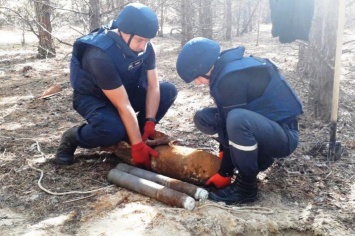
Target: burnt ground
x=303 y=194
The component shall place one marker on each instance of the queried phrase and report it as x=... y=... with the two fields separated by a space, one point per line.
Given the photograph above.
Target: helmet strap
x=130 y=39
x=206 y=77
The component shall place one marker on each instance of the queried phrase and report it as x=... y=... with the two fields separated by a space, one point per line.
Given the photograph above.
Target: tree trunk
x=316 y=59
x=245 y=17
x=94 y=14
x=46 y=46
x=161 y=31
x=248 y=19
x=228 y=19
x=205 y=17
x=186 y=21
x=238 y=19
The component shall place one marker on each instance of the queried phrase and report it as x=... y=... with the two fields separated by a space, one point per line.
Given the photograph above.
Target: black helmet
x=137 y=19
x=196 y=58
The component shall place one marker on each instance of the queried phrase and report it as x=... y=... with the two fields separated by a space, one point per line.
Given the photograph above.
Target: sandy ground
x=300 y=195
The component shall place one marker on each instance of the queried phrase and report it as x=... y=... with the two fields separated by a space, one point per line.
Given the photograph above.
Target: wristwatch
x=151 y=119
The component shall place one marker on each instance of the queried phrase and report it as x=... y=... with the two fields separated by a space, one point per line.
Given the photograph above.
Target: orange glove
x=219 y=181
x=141 y=155
x=149 y=130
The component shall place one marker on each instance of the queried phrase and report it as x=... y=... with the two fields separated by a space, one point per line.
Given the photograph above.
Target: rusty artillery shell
x=151 y=189
x=178 y=162
x=189 y=189
x=186 y=164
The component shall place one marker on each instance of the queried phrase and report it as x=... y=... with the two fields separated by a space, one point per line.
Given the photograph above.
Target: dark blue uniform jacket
x=130 y=66
x=254 y=84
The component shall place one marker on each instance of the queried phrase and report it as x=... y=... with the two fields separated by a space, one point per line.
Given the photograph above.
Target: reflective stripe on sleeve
x=244 y=148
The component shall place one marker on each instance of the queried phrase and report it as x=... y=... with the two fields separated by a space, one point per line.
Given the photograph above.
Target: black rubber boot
x=67 y=147
x=238 y=192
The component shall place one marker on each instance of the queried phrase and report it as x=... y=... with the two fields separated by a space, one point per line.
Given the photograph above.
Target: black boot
x=238 y=192
x=67 y=147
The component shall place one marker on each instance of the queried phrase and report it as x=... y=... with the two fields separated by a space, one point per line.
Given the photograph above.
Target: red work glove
x=219 y=181
x=220 y=154
x=141 y=155
x=149 y=130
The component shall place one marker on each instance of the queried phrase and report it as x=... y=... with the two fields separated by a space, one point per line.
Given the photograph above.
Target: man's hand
x=219 y=181
x=149 y=130
x=141 y=155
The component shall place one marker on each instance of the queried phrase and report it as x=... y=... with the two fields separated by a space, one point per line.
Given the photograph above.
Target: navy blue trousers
x=104 y=126
x=254 y=140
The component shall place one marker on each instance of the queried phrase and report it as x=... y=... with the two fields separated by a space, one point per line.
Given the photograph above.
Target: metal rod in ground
x=148 y=188
x=178 y=185
x=334 y=146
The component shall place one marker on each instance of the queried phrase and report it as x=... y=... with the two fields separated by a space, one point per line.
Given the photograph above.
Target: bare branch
x=76 y=30
x=44 y=29
x=22 y=18
x=155 y=9
x=31 y=28
x=250 y=17
x=111 y=10
x=351 y=41
x=81 y=16
x=64 y=9
x=47 y=51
